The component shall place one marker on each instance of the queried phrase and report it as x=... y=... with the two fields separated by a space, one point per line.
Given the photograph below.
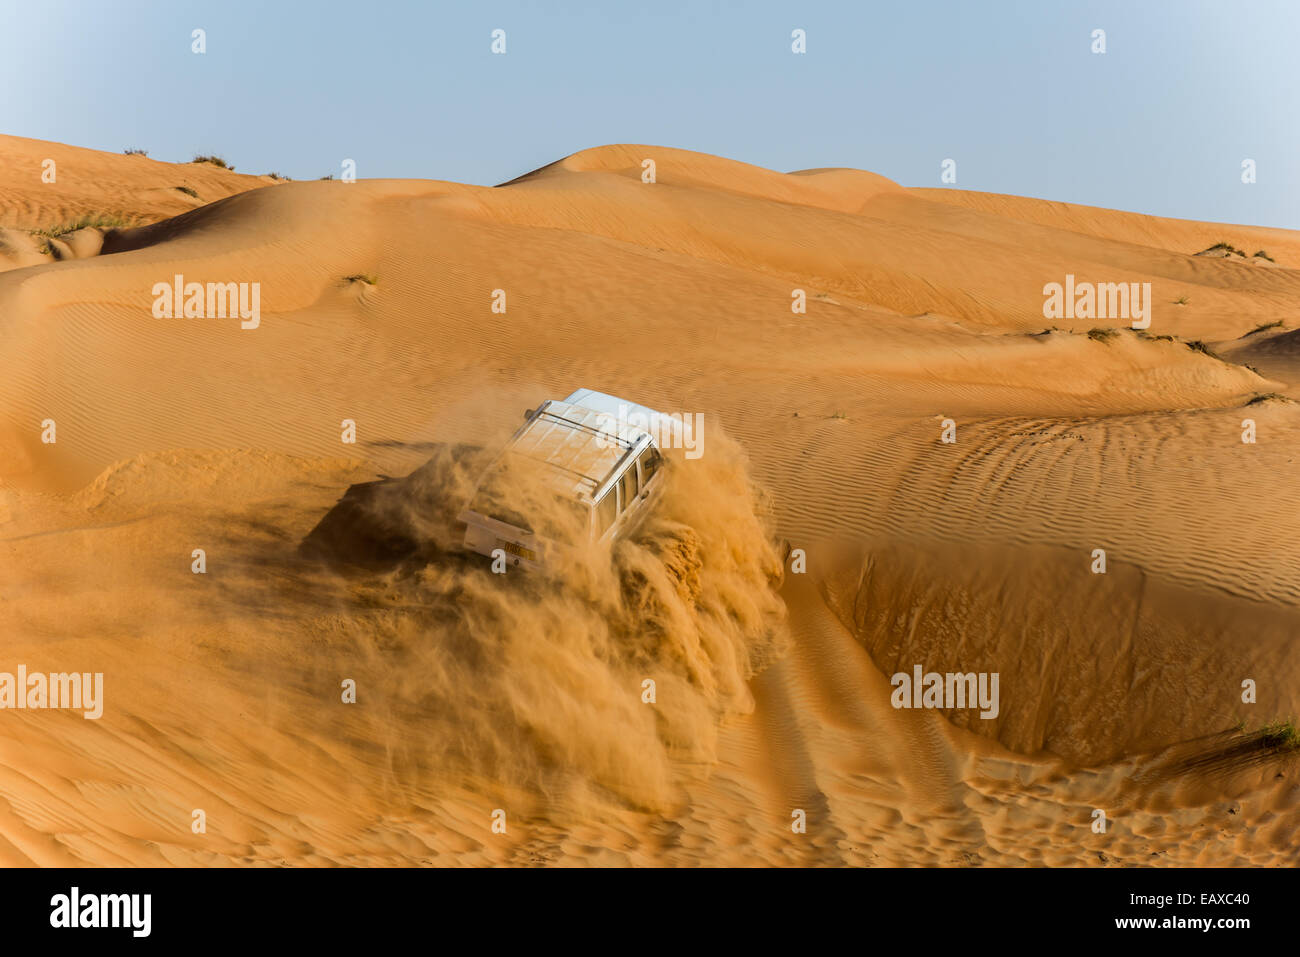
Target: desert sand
x=1120 y=691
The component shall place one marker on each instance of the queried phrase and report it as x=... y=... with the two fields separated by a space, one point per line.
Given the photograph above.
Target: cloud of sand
x=537 y=679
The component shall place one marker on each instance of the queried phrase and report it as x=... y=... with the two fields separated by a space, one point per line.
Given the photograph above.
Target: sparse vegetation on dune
x=1281 y=735
x=136 y=152
x=1277 y=324
x=280 y=176
x=368 y=278
x=1239 y=748
x=1196 y=345
x=1227 y=249
x=188 y=191
x=1222 y=247
x=89 y=220
x=97 y=220
x=214 y=160
x=1102 y=333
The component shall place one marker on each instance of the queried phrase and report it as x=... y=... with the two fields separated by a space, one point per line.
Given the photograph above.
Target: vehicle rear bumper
x=484 y=535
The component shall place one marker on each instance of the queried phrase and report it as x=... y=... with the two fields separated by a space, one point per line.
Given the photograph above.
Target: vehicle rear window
x=650 y=462
x=515 y=492
x=606 y=511
x=628 y=484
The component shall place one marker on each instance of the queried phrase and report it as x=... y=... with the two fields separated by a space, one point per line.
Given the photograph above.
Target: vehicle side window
x=627 y=483
x=606 y=512
x=650 y=463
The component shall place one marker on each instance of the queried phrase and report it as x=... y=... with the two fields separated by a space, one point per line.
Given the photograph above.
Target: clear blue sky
x=1160 y=123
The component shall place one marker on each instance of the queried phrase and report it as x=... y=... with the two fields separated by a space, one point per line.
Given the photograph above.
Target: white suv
x=576 y=471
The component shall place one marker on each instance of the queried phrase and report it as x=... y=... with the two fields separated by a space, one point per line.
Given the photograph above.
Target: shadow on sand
x=391 y=522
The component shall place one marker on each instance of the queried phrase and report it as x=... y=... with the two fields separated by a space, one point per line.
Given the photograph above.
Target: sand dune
x=47 y=187
x=1120 y=691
